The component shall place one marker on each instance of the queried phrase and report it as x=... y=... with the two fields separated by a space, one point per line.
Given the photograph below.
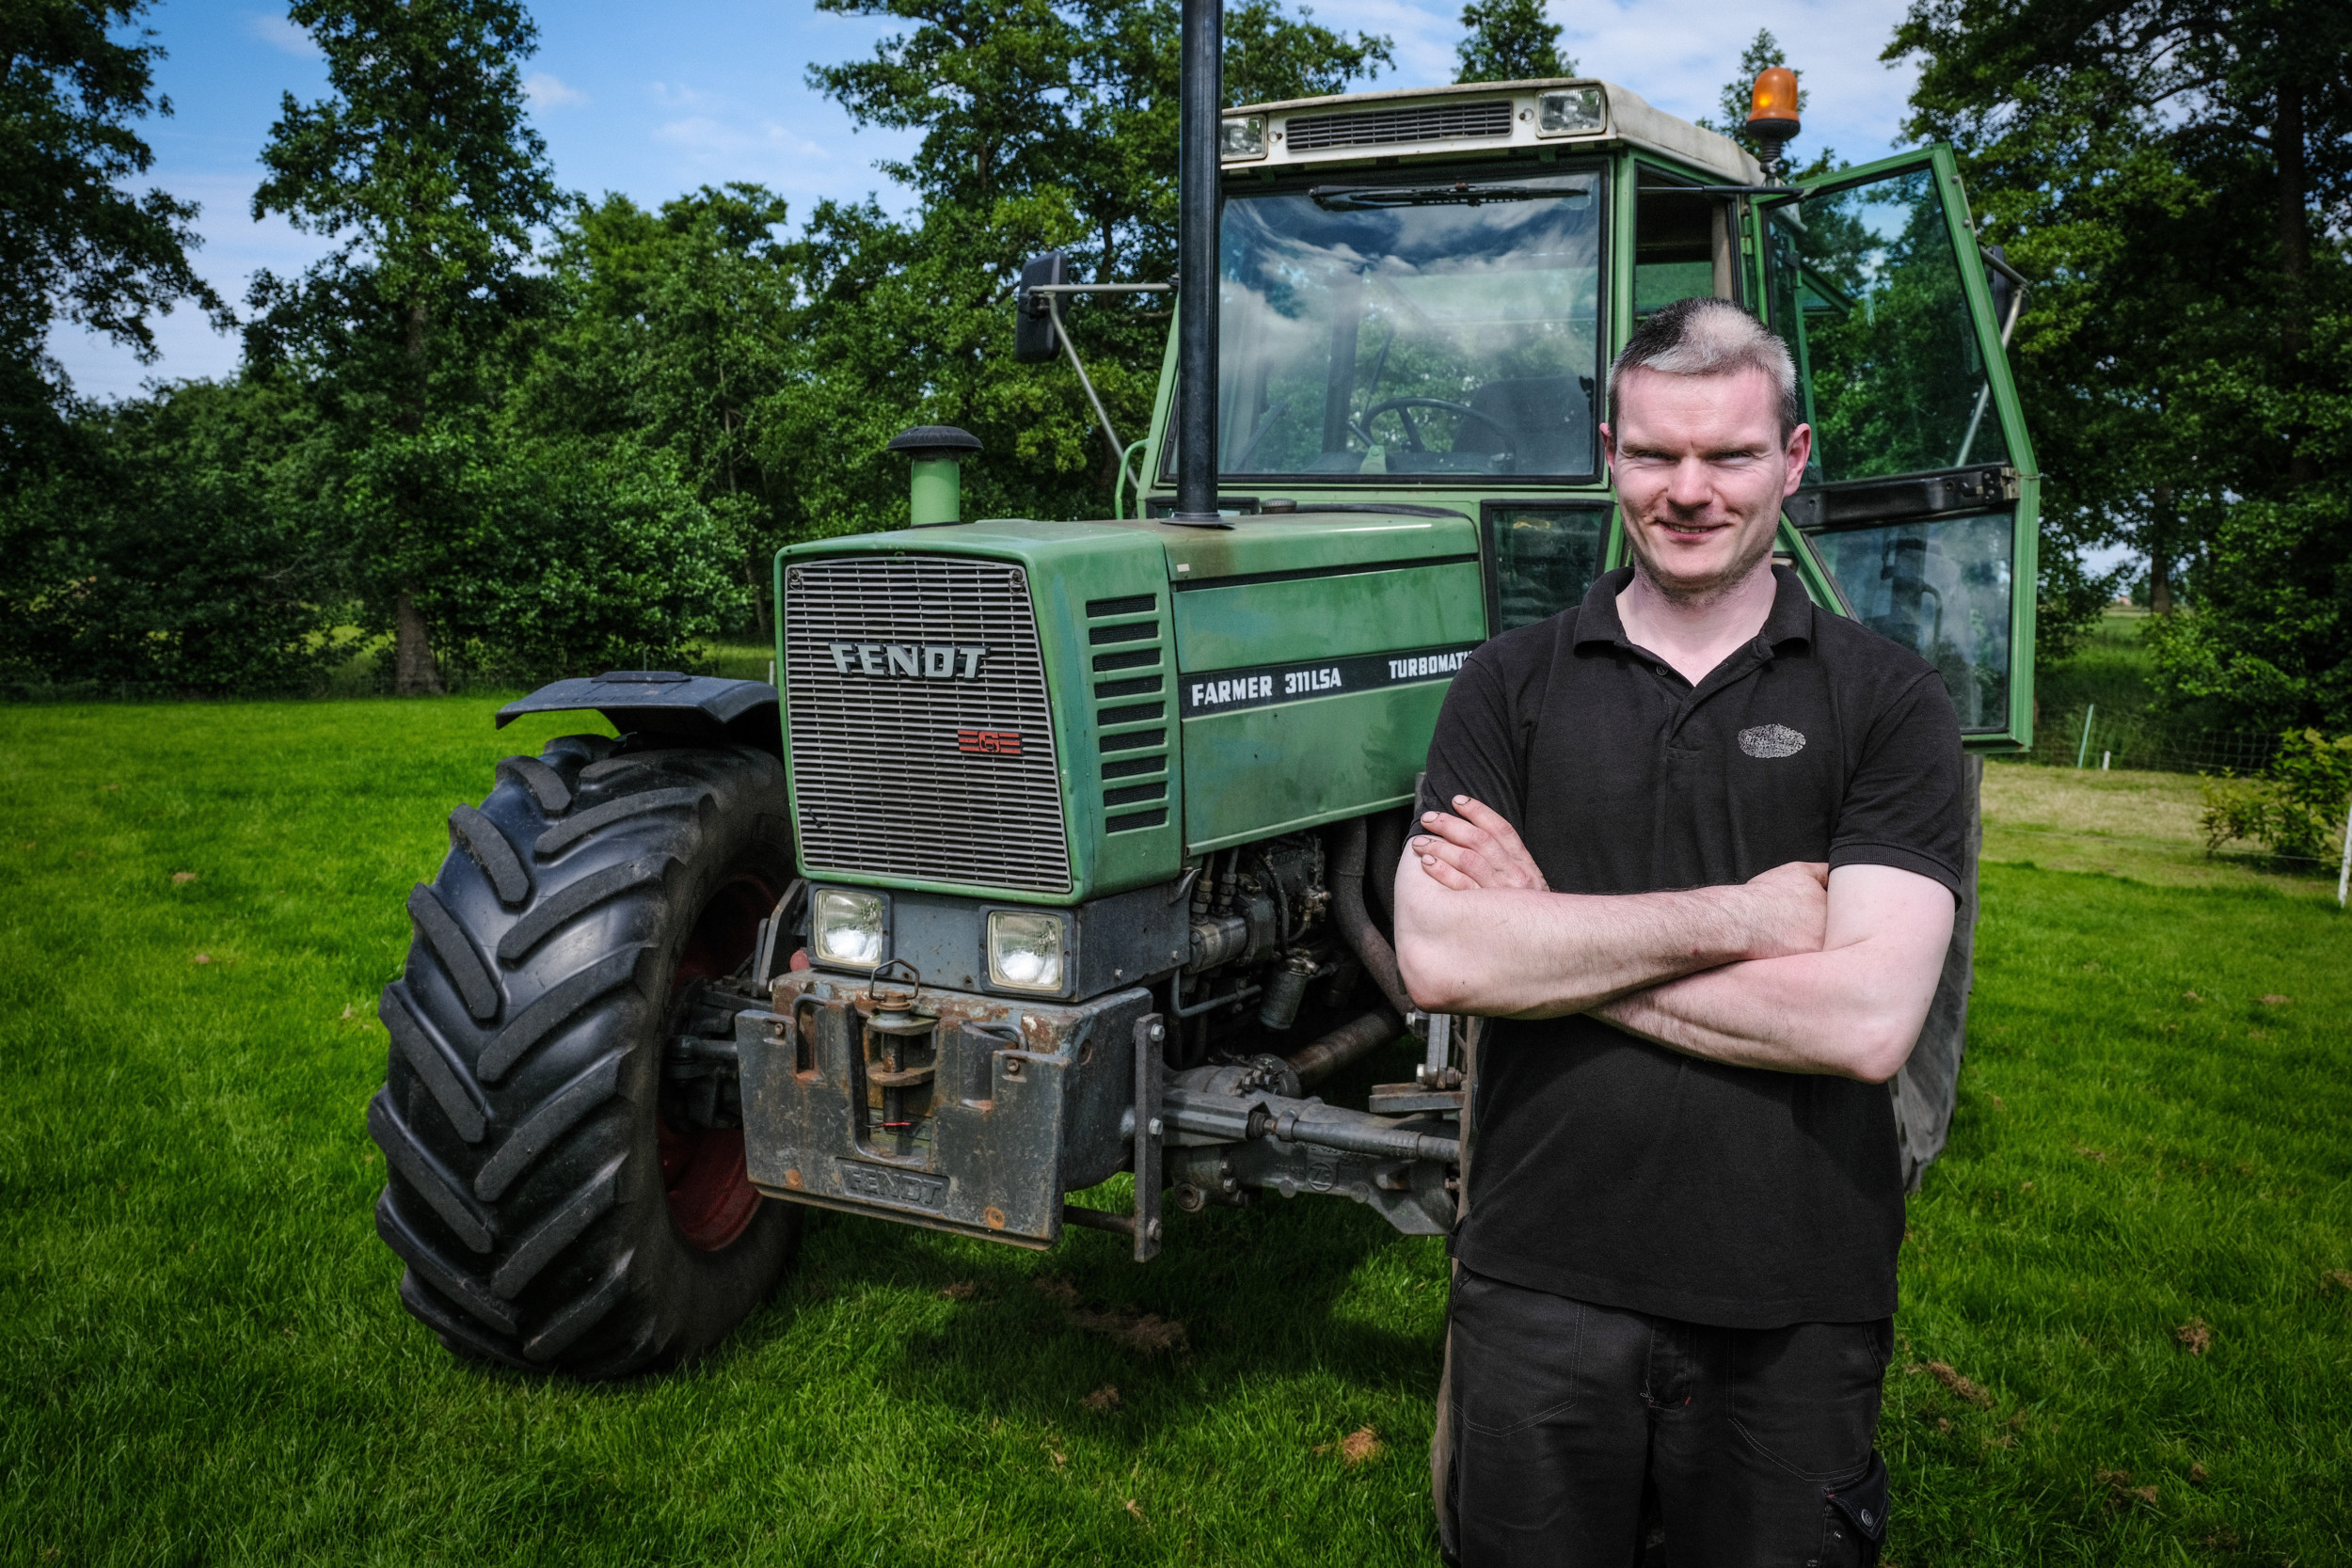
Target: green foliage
x=584 y=554
x=2298 y=811
x=175 y=555
x=2175 y=178
x=1021 y=97
x=74 y=244
x=1509 y=41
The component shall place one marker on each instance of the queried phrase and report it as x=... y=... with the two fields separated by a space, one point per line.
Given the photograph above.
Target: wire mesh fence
x=2086 y=737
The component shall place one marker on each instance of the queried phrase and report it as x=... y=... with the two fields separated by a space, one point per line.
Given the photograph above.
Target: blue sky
x=651 y=100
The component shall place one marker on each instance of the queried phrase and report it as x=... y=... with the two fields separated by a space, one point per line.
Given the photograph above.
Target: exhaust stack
x=1200 y=103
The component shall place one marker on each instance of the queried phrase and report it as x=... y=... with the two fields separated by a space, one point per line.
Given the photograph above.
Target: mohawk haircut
x=1708 y=336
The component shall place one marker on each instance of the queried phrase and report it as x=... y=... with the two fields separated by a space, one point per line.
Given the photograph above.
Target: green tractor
x=1062 y=849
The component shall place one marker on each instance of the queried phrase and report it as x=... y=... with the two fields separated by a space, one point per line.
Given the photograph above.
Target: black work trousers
x=1588 y=1436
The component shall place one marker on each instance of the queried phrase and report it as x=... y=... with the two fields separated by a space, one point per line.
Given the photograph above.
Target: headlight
x=848 y=928
x=1571 y=112
x=1024 y=951
x=1244 y=137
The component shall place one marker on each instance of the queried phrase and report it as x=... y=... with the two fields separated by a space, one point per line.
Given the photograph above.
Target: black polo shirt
x=1618 y=1171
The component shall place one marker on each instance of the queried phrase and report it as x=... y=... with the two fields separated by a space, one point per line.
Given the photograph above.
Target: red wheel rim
x=711 y=1197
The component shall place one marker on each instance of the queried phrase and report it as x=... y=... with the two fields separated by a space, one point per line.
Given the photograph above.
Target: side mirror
x=1033 y=342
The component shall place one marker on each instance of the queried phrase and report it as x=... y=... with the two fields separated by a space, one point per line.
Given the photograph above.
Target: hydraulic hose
x=1387 y=848
x=1363 y=938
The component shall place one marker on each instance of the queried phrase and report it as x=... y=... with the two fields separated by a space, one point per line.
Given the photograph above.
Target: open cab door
x=1920 y=500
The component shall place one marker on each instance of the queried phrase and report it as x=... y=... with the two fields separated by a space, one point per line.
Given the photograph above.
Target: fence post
x=2082 y=753
x=2344 y=872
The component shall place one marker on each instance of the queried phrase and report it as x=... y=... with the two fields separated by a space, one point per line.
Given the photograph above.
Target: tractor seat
x=1550 y=419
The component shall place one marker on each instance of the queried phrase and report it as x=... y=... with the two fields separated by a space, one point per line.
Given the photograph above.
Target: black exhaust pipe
x=1200 y=104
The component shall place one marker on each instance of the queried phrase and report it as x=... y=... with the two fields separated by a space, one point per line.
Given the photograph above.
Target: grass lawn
x=2126 y=1332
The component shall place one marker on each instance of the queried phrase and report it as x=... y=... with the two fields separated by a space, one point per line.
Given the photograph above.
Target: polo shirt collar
x=1791 y=620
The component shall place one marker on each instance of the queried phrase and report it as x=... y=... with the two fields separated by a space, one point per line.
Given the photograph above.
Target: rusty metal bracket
x=1150 y=1037
x=1144 y=1223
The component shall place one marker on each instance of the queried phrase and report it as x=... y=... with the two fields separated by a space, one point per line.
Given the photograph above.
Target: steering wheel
x=1412 y=434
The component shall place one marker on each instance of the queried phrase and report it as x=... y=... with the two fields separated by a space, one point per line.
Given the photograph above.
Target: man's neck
x=1697 y=633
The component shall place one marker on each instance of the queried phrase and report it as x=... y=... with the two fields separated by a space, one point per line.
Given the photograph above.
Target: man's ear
x=1608 y=445
x=1799 y=452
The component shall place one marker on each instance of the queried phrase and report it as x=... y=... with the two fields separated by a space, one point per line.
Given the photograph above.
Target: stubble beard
x=1699 y=595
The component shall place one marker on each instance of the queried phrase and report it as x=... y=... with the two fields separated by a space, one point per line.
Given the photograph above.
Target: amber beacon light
x=1772 y=115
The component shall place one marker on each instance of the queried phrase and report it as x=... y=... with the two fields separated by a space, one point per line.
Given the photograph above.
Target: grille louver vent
x=1439 y=122
x=1130 y=710
x=947 y=774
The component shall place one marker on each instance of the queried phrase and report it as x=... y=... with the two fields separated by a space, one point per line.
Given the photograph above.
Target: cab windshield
x=1445 y=325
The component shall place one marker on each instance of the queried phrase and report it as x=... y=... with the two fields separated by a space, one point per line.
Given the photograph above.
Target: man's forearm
x=1522 y=953
x=1853 y=1009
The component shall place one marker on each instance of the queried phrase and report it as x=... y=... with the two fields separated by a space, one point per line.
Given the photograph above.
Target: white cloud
x=547 y=90
x=281 y=33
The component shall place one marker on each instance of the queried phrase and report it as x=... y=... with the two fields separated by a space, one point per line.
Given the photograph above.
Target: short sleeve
x=1475 y=750
x=1904 y=805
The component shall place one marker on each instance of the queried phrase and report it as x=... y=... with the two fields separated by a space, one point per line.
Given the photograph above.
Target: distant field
x=2126 y=1332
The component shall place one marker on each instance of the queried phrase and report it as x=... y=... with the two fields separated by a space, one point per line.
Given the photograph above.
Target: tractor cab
x=1420 y=293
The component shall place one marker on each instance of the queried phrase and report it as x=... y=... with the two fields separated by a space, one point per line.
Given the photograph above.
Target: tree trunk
x=414 y=673
x=2161 y=552
x=2295 y=261
x=759 y=593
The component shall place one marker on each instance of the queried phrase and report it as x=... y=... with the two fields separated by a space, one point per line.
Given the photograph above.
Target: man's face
x=1701 y=471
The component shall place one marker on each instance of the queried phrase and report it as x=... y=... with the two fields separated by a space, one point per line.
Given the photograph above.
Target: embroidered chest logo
x=1772 y=740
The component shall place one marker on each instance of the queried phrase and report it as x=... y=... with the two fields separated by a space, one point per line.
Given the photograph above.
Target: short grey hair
x=1708 y=336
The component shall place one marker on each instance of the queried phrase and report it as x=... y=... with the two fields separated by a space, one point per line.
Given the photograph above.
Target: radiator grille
x=1382 y=126
x=902 y=770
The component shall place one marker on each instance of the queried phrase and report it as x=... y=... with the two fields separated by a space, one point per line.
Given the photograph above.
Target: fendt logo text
x=929 y=661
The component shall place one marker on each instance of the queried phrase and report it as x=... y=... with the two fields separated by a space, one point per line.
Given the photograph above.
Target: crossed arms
x=1800 y=970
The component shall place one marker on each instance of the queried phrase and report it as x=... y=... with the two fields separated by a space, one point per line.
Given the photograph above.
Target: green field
x=2127 y=1334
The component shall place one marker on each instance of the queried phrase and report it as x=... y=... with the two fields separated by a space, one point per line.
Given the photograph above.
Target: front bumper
x=975 y=1119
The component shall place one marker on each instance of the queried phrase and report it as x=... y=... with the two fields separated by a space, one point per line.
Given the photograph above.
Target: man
x=1697 y=854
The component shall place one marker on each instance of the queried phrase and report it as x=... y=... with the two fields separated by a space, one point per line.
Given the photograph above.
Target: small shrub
x=2297 y=810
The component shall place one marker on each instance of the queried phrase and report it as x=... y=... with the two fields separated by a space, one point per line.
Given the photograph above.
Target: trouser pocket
x=1853 y=1518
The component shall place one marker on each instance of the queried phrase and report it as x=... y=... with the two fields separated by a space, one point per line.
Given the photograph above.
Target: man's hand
x=1791 y=912
x=1476 y=849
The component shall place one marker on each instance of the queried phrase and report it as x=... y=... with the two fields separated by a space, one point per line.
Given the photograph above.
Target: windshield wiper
x=1461 y=193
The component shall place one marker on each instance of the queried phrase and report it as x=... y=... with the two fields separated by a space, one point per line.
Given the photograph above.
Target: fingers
x=1498 y=826
x=1463 y=862
x=1442 y=872
x=1480 y=831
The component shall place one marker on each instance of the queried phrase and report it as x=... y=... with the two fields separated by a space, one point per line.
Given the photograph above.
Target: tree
x=177 y=553
x=75 y=245
x=423 y=163
x=674 y=329
x=1509 y=41
x=2178 y=175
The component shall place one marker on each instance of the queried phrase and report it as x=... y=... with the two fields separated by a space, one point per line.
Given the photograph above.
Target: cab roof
x=1628 y=118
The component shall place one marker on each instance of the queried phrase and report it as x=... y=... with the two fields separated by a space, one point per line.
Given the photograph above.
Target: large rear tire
x=552 y=1213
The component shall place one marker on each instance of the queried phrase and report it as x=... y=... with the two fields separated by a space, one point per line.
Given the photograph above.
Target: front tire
x=555 y=1209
